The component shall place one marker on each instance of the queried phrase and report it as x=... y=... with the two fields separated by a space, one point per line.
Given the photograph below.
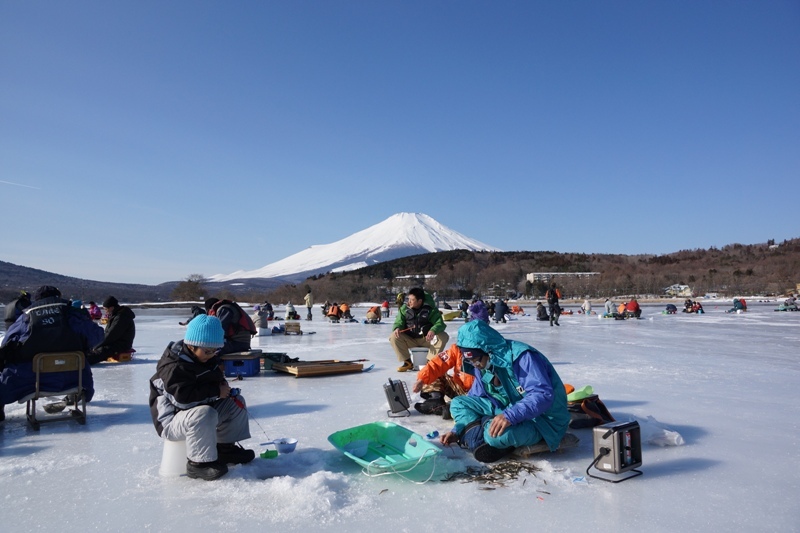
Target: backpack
x=588 y=412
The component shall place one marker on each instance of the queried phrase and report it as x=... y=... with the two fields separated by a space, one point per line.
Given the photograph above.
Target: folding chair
x=46 y=363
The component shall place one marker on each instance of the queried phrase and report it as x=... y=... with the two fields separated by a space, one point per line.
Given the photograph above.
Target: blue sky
x=146 y=141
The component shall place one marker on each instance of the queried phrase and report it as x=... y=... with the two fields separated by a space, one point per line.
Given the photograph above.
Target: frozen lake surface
x=724 y=382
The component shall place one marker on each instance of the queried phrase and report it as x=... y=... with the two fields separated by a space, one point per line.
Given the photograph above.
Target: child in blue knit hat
x=191 y=400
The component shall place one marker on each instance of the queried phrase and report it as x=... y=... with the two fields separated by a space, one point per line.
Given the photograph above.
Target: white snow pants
x=204 y=426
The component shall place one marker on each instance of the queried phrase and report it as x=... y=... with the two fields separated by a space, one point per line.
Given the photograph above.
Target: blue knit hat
x=205 y=331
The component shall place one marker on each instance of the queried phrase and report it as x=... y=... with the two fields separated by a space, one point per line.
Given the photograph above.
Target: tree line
x=736 y=269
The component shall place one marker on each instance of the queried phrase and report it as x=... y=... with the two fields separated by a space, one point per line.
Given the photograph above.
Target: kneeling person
x=191 y=400
x=516 y=399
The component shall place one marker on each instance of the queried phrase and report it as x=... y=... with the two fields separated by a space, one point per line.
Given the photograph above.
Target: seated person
x=516 y=399
x=419 y=324
x=435 y=383
x=586 y=307
x=374 y=314
x=739 y=305
x=610 y=307
x=541 y=312
x=333 y=313
x=697 y=308
x=119 y=334
x=291 y=312
x=95 y=313
x=49 y=324
x=260 y=318
x=270 y=311
x=15 y=307
x=191 y=400
x=477 y=311
x=671 y=309
x=500 y=311
x=237 y=325
x=196 y=311
x=632 y=309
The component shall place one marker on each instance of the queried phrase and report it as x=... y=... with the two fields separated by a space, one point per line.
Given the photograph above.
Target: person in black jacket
x=49 y=324
x=120 y=332
x=552 y=295
x=237 y=325
x=15 y=307
x=191 y=400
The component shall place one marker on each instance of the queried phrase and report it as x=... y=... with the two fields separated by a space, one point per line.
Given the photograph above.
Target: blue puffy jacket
x=530 y=387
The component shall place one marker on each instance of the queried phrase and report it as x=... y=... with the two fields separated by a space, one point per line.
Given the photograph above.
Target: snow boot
x=433 y=406
x=406 y=366
x=234 y=454
x=486 y=453
x=208 y=471
x=446 y=412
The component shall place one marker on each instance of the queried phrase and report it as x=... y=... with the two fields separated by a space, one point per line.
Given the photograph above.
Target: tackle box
x=244 y=364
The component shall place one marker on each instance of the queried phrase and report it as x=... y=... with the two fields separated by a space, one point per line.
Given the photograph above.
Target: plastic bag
x=657 y=434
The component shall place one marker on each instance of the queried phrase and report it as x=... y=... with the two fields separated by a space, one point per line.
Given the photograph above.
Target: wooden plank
x=327 y=367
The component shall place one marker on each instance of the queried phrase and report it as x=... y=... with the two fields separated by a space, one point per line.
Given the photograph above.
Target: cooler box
x=243 y=364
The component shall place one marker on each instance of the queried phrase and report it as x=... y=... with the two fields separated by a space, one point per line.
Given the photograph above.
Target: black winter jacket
x=182 y=382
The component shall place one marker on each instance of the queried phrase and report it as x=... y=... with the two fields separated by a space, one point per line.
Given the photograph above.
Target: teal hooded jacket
x=530 y=387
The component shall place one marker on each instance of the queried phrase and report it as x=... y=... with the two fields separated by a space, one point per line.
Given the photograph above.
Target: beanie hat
x=205 y=331
x=256 y=307
x=110 y=302
x=46 y=291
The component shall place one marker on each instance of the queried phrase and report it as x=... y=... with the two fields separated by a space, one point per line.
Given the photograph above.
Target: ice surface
x=725 y=383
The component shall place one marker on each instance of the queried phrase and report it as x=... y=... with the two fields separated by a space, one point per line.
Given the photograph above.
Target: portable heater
x=617 y=449
x=397 y=396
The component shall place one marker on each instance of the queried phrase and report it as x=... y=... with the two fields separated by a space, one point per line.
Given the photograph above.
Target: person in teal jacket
x=419 y=324
x=517 y=398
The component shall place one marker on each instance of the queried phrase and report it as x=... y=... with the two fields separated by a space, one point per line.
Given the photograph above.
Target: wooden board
x=302 y=369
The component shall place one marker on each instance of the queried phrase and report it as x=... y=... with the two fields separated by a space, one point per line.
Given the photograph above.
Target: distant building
x=533 y=277
x=678 y=290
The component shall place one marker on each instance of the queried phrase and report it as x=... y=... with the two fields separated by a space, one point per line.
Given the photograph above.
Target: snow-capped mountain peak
x=400 y=235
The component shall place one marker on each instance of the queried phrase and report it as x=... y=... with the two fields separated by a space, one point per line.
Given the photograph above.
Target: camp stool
x=47 y=363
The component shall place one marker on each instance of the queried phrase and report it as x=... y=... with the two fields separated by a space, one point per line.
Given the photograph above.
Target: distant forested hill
x=731 y=270
x=14 y=278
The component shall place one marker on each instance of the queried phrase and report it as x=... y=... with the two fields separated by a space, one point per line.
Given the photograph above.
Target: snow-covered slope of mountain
x=400 y=235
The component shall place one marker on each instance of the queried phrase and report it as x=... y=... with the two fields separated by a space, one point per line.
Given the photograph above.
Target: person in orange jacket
x=434 y=377
x=373 y=315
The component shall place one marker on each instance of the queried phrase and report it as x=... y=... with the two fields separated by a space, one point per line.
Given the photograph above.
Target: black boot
x=486 y=453
x=2 y=412
x=208 y=471
x=234 y=454
x=433 y=406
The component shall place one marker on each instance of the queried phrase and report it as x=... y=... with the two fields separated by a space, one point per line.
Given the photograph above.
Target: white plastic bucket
x=419 y=356
x=173 y=458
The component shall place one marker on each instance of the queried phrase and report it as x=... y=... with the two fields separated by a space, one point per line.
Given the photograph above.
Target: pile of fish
x=498 y=475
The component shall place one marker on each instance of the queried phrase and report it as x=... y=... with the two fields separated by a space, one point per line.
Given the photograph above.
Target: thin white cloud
x=21 y=185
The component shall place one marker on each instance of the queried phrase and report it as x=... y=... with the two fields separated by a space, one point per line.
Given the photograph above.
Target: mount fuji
x=400 y=235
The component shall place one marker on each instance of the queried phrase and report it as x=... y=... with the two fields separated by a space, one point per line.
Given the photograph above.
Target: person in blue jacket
x=50 y=324
x=517 y=398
